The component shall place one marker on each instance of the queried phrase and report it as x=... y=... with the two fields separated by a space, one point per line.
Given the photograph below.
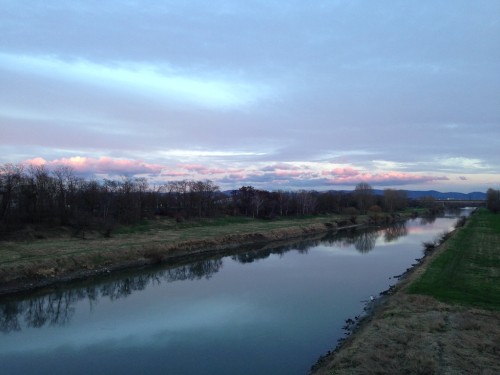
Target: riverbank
x=45 y=258
x=432 y=324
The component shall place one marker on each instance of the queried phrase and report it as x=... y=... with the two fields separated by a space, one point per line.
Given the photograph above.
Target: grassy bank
x=443 y=319
x=468 y=272
x=39 y=256
x=43 y=244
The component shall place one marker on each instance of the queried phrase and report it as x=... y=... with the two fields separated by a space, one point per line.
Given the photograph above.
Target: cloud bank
x=303 y=95
x=270 y=176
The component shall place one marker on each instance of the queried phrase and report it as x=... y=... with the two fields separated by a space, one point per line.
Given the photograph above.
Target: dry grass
x=50 y=255
x=414 y=334
x=165 y=231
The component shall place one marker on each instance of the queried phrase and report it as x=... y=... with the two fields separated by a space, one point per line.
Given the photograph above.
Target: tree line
x=493 y=200
x=58 y=197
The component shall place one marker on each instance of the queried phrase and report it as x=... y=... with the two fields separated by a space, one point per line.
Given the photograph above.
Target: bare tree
x=283 y=199
x=306 y=201
x=44 y=192
x=242 y=199
x=208 y=192
x=394 y=200
x=258 y=200
x=363 y=193
x=10 y=181
x=64 y=184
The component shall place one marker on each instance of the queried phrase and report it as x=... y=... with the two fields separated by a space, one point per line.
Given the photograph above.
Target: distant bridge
x=461 y=202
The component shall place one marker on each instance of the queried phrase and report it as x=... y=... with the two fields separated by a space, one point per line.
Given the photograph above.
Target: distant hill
x=416 y=194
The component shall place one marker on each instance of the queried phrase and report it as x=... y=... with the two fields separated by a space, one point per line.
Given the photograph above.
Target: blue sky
x=273 y=94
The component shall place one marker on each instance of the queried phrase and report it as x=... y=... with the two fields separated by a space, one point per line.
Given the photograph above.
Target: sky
x=272 y=94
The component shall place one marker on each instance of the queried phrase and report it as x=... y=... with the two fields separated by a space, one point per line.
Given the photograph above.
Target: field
x=443 y=319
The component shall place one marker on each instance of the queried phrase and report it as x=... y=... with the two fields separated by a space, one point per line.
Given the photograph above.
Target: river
x=263 y=311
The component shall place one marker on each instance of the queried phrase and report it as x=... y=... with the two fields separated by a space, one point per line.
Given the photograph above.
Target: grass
x=416 y=334
x=467 y=272
x=220 y=224
x=58 y=251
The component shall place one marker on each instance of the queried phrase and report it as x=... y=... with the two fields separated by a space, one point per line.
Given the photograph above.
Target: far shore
x=46 y=259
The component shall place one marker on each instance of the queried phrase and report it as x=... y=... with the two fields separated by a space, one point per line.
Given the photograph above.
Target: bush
x=351 y=211
x=493 y=200
x=461 y=222
x=429 y=246
x=375 y=208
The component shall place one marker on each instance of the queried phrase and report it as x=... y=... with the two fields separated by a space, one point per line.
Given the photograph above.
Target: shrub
x=351 y=211
x=461 y=222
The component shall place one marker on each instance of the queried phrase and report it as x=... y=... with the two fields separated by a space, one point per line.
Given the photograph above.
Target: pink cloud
x=350 y=176
x=203 y=170
x=211 y=171
x=174 y=173
x=342 y=172
x=105 y=165
x=279 y=166
x=278 y=173
x=291 y=173
x=191 y=167
x=284 y=170
x=387 y=178
x=237 y=176
x=36 y=162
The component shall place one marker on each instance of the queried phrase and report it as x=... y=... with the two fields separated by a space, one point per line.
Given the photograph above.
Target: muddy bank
x=31 y=274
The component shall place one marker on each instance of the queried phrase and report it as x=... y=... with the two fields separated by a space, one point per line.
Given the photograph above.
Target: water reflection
x=364 y=241
x=424 y=220
x=58 y=307
x=53 y=309
x=395 y=231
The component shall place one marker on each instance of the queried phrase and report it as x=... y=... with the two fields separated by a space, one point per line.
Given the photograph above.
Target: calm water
x=267 y=311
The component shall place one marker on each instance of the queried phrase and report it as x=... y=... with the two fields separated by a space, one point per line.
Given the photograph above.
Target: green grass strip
x=468 y=271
